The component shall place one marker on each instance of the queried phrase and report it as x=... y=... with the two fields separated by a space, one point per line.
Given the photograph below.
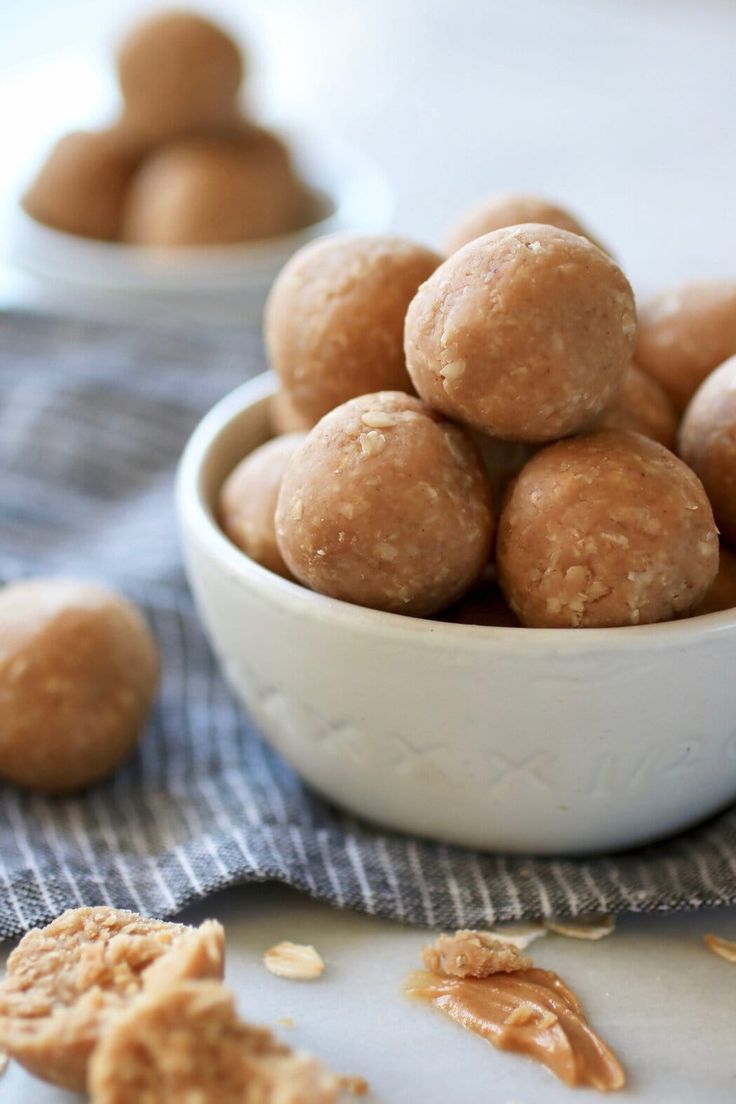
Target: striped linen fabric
x=92 y=421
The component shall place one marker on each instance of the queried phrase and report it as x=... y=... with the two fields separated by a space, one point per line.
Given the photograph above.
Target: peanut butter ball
x=78 y=672
x=334 y=320
x=248 y=501
x=609 y=528
x=642 y=406
x=525 y=333
x=178 y=73
x=509 y=209
x=708 y=443
x=213 y=191
x=81 y=186
x=386 y=504
x=685 y=333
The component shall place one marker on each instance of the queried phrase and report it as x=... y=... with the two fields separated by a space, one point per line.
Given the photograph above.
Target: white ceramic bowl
x=228 y=282
x=539 y=740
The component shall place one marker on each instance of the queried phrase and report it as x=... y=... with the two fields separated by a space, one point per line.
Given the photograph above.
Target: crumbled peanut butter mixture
x=185 y=1044
x=473 y=954
x=64 y=982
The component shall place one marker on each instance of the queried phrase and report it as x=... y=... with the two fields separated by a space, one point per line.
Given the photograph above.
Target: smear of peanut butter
x=530 y=1012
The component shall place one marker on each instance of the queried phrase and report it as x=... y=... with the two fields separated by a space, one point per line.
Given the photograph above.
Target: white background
x=624 y=109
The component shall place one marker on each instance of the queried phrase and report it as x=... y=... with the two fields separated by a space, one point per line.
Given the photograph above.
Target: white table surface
x=625 y=110
x=661 y=1000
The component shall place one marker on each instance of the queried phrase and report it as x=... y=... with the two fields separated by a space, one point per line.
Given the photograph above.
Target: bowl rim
x=196 y=514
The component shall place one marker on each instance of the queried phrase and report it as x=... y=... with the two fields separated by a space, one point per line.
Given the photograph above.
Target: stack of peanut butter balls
x=490 y=437
x=183 y=165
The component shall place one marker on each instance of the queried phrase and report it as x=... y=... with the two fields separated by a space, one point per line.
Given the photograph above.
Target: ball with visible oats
x=78 y=673
x=179 y=73
x=525 y=333
x=685 y=333
x=334 y=320
x=81 y=186
x=509 y=209
x=386 y=504
x=708 y=443
x=642 y=406
x=606 y=529
x=214 y=191
x=248 y=501
x=66 y=983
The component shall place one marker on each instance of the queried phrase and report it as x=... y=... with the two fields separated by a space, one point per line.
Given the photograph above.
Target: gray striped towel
x=92 y=421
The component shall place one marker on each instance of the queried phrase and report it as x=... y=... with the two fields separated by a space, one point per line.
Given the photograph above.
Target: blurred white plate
x=218 y=283
x=353 y=192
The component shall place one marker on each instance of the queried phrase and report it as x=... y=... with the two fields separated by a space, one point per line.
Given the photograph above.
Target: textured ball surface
x=525 y=333
x=606 y=529
x=386 y=504
x=334 y=320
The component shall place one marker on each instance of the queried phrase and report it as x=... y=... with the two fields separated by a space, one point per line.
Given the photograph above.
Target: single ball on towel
x=214 y=191
x=334 y=320
x=82 y=185
x=386 y=504
x=525 y=333
x=179 y=73
x=248 y=501
x=685 y=333
x=78 y=673
x=185 y=1044
x=606 y=529
x=708 y=443
x=509 y=209
x=642 y=406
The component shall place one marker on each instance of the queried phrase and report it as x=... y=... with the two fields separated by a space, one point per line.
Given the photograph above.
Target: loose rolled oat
x=583 y=927
x=297 y=961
